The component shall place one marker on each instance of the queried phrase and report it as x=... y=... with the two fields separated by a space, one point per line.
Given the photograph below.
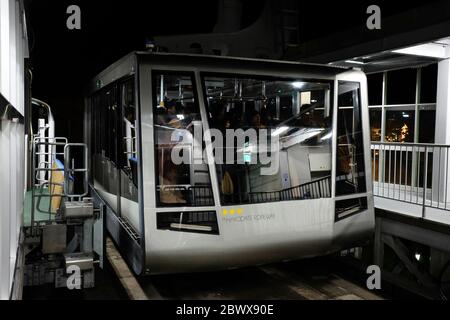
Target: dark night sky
x=64 y=61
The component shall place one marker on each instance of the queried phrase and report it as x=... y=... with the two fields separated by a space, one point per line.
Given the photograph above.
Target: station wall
x=13 y=52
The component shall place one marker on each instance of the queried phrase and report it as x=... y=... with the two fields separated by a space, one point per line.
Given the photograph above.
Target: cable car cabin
x=176 y=156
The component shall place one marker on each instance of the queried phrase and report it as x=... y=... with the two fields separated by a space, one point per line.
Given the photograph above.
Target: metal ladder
x=288 y=19
x=44 y=170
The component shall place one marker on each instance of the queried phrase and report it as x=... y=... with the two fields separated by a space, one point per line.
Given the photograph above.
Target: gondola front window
x=182 y=178
x=271 y=137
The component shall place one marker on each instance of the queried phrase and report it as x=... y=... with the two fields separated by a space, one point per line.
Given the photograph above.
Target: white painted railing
x=412 y=172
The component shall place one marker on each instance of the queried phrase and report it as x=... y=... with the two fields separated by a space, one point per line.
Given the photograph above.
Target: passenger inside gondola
x=177 y=114
x=256 y=121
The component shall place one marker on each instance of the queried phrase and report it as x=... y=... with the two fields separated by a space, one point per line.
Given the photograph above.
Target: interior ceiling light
x=298 y=84
x=354 y=62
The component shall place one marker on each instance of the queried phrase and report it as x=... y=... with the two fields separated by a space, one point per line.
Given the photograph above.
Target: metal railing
x=412 y=172
x=46 y=185
x=198 y=196
x=317 y=189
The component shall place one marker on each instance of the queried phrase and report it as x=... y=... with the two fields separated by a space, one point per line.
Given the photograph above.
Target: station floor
x=311 y=279
x=322 y=278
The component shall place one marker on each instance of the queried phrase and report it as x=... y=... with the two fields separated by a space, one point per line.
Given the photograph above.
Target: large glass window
x=375 y=89
x=350 y=173
x=428 y=84
x=105 y=115
x=427 y=123
x=293 y=117
x=401 y=86
x=400 y=124
x=409 y=105
x=409 y=113
x=375 y=115
x=181 y=178
x=128 y=156
x=375 y=119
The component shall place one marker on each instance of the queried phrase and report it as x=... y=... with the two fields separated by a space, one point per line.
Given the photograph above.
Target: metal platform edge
x=122 y=237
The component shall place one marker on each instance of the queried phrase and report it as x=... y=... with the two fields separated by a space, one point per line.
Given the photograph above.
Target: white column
x=19 y=59
x=13 y=181
x=441 y=171
x=5 y=212
x=13 y=54
x=4 y=49
x=442 y=129
x=22 y=172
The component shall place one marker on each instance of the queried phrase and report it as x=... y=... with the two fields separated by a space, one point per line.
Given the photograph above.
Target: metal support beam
x=402 y=253
x=390 y=230
x=398 y=268
x=431 y=238
x=378 y=245
x=408 y=285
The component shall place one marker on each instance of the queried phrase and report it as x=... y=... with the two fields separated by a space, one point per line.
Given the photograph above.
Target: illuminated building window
x=400 y=125
x=375 y=115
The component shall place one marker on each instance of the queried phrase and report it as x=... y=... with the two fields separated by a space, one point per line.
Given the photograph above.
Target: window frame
x=417 y=105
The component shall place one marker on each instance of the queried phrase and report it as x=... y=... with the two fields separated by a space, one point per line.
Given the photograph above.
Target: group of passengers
x=174 y=114
x=231 y=116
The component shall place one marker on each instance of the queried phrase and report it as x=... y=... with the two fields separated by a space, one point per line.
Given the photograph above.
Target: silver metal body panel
x=77 y=209
x=264 y=233
x=81 y=260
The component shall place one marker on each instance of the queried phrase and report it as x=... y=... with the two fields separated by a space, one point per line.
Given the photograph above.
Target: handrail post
x=425 y=174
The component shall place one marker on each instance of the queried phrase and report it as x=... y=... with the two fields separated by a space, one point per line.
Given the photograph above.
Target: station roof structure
x=416 y=37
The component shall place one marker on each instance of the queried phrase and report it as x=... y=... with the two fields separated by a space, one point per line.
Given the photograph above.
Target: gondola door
x=352 y=182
